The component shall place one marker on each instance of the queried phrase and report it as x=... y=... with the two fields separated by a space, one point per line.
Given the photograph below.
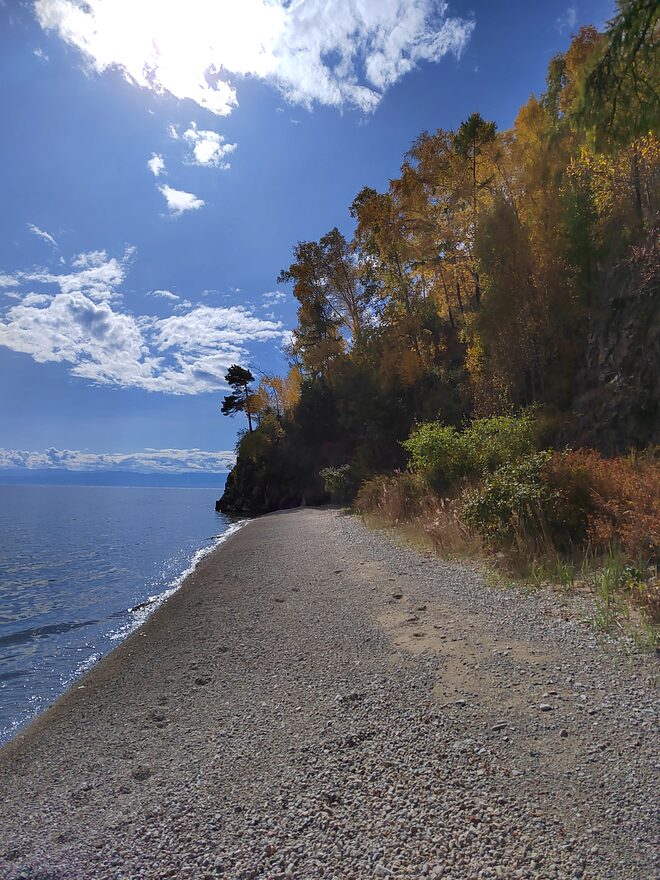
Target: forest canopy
x=500 y=270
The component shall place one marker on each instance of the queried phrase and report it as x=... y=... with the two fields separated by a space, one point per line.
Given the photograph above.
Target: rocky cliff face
x=618 y=390
x=252 y=489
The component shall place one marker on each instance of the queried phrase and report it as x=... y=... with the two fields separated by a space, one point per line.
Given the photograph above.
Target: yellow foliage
x=291 y=386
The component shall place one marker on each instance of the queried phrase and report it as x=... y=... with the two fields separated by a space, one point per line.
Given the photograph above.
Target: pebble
x=353 y=764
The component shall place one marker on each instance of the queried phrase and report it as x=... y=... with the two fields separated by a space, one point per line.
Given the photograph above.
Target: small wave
x=38 y=632
x=85 y=666
x=9 y=676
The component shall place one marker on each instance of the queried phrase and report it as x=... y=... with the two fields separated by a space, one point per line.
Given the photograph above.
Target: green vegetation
x=340 y=483
x=239 y=380
x=497 y=301
x=442 y=454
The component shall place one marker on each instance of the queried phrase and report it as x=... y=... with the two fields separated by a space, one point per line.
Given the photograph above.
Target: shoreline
x=136 y=617
x=151 y=607
x=316 y=701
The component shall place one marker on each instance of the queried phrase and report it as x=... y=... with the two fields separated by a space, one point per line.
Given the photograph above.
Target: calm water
x=73 y=562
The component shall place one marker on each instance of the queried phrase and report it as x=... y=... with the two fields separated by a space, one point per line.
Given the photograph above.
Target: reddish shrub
x=609 y=502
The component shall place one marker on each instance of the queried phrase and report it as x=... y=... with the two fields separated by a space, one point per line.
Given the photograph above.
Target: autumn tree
x=479 y=280
x=326 y=303
x=471 y=143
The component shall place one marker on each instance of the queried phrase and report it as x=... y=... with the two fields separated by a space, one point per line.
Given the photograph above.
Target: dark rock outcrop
x=617 y=404
x=250 y=490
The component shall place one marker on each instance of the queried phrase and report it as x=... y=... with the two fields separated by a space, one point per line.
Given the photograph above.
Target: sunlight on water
x=80 y=569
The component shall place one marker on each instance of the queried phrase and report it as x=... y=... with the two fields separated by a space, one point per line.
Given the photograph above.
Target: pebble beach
x=319 y=701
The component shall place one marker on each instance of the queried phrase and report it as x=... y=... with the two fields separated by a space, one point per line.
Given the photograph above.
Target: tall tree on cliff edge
x=239 y=380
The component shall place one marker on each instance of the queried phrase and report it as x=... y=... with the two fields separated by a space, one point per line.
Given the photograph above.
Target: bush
x=487 y=444
x=340 y=483
x=608 y=502
x=435 y=454
x=511 y=504
x=443 y=456
x=403 y=499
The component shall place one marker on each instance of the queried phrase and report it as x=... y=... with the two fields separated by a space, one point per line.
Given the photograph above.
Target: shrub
x=404 y=499
x=436 y=454
x=394 y=497
x=442 y=455
x=340 y=483
x=608 y=502
x=487 y=444
x=510 y=504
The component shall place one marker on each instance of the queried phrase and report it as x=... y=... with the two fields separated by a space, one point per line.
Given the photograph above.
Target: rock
x=545 y=707
x=618 y=387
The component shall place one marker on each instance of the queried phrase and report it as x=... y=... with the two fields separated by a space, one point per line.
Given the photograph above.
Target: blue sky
x=159 y=161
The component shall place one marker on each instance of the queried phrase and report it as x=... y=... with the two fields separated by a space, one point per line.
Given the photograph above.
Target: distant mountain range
x=62 y=477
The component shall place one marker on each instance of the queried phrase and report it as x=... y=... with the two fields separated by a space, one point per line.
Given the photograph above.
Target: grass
x=626 y=596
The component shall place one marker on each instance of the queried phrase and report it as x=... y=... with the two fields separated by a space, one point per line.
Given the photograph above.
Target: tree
x=474 y=142
x=333 y=301
x=239 y=380
x=317 y=340
x=621 y=92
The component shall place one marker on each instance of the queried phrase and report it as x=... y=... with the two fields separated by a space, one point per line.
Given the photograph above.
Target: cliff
x=618 y=390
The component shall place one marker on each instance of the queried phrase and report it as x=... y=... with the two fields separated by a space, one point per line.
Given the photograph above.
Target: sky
x=160 y=160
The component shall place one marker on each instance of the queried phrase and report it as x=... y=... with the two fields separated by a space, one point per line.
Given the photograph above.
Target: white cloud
x=567 y=21
x=274 y=296
x=163 y=294
x=97 y=276
x=40 y=54
x=40 y=233
x=179 y=201
x=162 y=461
x=334 y=52
x=83 y=326
x=208 y=147
x=34 y=299
x=207 y=327
x=156 y=164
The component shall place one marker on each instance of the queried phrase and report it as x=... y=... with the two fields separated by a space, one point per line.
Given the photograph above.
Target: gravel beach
x=318 y=701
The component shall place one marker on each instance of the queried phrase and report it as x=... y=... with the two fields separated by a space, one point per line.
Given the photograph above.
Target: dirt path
x=320 y=702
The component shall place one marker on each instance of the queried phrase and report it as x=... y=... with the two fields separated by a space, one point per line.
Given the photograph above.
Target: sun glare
x=199 y=48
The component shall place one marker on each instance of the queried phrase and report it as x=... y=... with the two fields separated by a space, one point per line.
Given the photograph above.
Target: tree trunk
x=247 y=408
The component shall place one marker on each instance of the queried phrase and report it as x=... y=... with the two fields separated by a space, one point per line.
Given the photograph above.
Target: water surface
x=74 y=561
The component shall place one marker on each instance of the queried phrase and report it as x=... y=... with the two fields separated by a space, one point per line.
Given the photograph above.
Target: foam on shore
x=141 y=612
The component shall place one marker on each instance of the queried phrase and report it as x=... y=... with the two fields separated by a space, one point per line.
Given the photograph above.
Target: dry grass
x=618 y=500
x=403 y=500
